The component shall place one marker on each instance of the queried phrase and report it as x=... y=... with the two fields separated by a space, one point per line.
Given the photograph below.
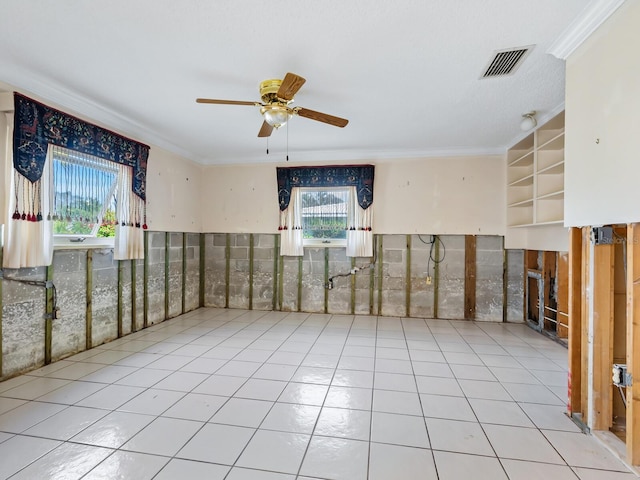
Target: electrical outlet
x=428 y=280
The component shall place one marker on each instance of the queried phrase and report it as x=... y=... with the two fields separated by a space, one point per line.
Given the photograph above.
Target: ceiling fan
x=276 y=96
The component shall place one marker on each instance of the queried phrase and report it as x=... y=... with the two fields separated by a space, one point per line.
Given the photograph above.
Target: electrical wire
x=432 y=243
x=624 y=399
x=624 y=249
x=357 y=269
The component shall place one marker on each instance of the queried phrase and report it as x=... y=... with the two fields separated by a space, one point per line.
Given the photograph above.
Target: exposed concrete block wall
x=22 y=321
x=264 y=266
x=156 y=277
x=24 y=306
x=401 y=271
x=215 y=269
x=422 y=293
x=451 y=281
x=139 y=305
x=515 y=285
x=239 y=270
x=69 y=277
x=339 y=297
x=192 y=280
x=104 y=297
x=288 y=287
x=489 y=278
x=394 y=270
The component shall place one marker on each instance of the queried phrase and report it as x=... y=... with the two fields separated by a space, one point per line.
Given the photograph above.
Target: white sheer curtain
x=27 y=243
x=359 y=234
x=291 y=226
x=129 y=240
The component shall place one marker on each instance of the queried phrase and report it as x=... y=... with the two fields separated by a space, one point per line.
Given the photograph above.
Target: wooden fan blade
x=265 y=130
x=224 y=102
x=322 y=117
x=290 y=86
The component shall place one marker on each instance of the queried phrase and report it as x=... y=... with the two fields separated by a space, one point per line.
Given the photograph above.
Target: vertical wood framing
x=134 y=296
x=379 y=275
x=326 y=280
x=276 y=249
x=251 y=253
x=299 y=299
x=470 y=277
x=227 y=268
x=548 y=273
x=584 y=334
x=575 y=289
x=48 y=322
x=353 y=287
x=120 y=302
x=633 y=343
x=603 y=286
x=436 y=275
x=184 y=273
x=372 y=274
x=280 y=271
x=562 y=315
x=505 y=282
x=201 y=273
x=167 y=258
x=145 y=282
x=89 y=302
x=408 y=279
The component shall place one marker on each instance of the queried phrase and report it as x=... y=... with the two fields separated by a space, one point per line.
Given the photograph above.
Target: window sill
x=66 y=243
x=324 y=243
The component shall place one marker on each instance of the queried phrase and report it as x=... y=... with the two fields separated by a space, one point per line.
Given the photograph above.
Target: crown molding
x=583 y=26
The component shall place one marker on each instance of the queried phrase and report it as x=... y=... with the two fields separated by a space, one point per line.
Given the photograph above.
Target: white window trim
x=326 y=243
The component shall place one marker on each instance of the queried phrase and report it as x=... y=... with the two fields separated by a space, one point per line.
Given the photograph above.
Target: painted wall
x=173 y=193
x=602 y=124
x=456 y=195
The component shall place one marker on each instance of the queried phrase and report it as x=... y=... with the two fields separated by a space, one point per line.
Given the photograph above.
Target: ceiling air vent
x=505 y=62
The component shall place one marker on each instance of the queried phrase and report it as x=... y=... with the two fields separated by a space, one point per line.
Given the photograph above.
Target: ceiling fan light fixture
x=528 y=120
x=276 y=115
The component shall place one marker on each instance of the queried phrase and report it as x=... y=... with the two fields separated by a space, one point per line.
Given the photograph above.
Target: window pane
x=324 y=213
x=84 y=194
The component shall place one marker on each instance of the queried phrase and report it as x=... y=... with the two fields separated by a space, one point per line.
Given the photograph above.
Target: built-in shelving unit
x=535 y=177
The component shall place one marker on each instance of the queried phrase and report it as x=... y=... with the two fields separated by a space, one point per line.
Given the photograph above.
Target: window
x=84 y=195
x=324 y=216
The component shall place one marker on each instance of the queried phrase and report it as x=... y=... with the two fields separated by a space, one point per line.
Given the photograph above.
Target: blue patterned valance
x=359 y=176
x=37 y=125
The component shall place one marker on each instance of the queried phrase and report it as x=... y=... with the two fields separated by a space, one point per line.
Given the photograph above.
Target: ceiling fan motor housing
x=269 y=91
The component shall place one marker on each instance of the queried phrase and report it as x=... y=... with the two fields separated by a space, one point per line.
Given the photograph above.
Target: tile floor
x=246 y=395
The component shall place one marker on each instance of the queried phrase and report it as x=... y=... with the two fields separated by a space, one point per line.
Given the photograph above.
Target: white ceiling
x=406 y=73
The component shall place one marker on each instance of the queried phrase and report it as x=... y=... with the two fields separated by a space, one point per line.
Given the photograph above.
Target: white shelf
x=555 y=169
x=559 y=195
x=524 y=160
x=522 y=203
x=535 y=177
x=528 y=180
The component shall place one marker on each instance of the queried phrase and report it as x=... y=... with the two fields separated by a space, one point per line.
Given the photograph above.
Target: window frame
x=327 y=242
x=85 y=240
